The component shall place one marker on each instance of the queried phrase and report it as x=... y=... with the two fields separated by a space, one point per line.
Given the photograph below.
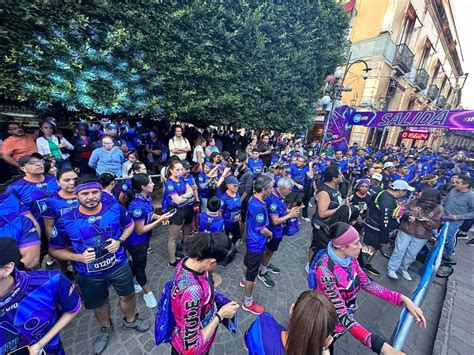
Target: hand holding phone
x=170 y=213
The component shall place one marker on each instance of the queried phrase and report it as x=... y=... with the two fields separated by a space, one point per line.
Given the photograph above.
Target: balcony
x=403 y=58
x=433 y=92
x=448 y=107
x=441 y=102
x=422 y=79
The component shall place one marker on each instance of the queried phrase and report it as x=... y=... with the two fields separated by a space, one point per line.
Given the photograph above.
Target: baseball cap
x=388 y=164
x=401 y=185
x=186 y=164
x=10 y=251
x=231 y=180
x=26 y=158
x=377 y=176
x=111 y=126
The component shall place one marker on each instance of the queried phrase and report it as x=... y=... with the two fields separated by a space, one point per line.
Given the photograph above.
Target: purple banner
x=339 y=131
x=455 y=120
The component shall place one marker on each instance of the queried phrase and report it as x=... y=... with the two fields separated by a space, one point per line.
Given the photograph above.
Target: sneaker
x=173 y=264
x=306 y=268
x=50 y=261
x=224 y=264
x=372 y=270
x=448 y=260
x=253 y=308
x=266 y=279
x=238 y=243
x=406 y=275
x=138 y=288
x=138 y=324
x=242 y=282
x=461 y=235
x=471 y=242
x=102 y=339
x=179 y=254
x=392 y=275
x=273 y=269
x=149 y=251
x=150 y=300
x=306 y=219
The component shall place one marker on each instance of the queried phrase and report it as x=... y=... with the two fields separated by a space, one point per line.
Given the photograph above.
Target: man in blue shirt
x=257 y=237
x=92 y=238
x=301 y=175
x=255 y=164
x=278 y=216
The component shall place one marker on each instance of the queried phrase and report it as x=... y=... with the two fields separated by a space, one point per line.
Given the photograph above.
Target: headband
x=348 y=237
x=88 y=185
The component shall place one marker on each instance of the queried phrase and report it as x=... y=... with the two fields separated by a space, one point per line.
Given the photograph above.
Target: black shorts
x=95 y=290
x=294 y=197
x=183 y=215
x=252 y=261
x=373 y=239
x=273 y=244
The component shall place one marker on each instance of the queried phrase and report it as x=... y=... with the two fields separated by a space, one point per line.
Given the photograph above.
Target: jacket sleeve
x=42 y=145
x=328 y=286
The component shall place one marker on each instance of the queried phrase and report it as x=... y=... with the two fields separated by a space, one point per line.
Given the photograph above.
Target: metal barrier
x=430 y=267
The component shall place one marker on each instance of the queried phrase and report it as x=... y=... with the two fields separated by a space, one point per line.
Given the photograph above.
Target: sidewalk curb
x=442 y=336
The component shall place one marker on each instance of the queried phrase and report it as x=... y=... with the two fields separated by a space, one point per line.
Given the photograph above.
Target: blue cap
x=231 y=180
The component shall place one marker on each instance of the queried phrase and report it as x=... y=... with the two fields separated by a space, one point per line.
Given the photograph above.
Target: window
x=425 y=54
x=408 y=26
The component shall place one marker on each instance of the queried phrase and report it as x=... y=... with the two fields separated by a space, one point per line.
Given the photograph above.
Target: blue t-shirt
x=255 y=166
x=126 y=186
x=108 y=199
x=204 y=192
x=210 y=223
x=83 y=231
x=257 y=219
x=231 y=209
x=141 y=209
x=276 y=207
x=173 y=188
x=34 y=195
x=11 y=205
x=58 y=206
x=32 y=308
x=19 y=228
x=298 y=175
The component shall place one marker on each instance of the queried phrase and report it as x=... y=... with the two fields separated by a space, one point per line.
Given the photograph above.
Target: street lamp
x=334 y=89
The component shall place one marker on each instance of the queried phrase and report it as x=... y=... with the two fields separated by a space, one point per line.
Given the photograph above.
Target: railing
x=403 y=58
x=441 y=102
x=433 y=92
x=422 y=79
x=430 y=267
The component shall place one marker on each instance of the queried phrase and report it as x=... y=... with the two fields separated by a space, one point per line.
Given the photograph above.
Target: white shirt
x=178 y=143
x=43 y=145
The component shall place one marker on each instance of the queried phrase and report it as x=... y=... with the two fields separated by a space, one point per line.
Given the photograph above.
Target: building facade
x=414 y=53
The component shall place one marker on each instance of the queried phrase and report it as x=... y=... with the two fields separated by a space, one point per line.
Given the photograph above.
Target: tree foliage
x=248 y=63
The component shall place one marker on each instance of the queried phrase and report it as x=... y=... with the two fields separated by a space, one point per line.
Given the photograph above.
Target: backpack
x=164 y=321
x=312 y=282
x=267 y=342
x=291 y=227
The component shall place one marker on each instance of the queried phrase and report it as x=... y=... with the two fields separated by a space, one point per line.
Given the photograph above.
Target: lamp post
x=334 y=89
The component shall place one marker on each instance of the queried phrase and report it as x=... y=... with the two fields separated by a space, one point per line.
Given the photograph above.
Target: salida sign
x=415 y=135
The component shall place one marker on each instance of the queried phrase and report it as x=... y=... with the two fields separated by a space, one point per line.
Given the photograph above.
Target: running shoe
x=406 y=275
x=150 y=300
x=273 y=269
x=138 y=324
x=149 y=251
x=253 y=308
x=448 y=260
x=471 y=242
x=392 y=275
x=461 y=235
x=238 y=243
x=266 y=279
x=306 y=219
x=371 y=270
x=306 y=268
x=138 y=288
x=173 y=264
x=102 y=339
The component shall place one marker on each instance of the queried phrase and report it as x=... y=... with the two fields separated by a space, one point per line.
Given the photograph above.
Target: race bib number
x=103 y=263
x=235 y=216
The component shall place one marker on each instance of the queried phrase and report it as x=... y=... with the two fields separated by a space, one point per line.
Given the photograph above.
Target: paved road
x=375 y=314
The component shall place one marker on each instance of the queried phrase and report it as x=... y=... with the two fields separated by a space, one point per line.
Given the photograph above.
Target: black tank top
x=334 y=197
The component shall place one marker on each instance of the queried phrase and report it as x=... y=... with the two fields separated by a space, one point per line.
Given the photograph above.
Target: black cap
x=186 y=164
x=25 y=159
x=10 y=251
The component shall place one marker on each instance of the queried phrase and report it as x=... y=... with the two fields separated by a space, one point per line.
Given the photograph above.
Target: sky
x=463 y=13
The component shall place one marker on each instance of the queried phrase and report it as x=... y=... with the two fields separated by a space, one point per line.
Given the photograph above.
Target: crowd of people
x=89 y=203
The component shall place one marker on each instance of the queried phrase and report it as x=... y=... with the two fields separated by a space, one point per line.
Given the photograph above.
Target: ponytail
x=138 y=181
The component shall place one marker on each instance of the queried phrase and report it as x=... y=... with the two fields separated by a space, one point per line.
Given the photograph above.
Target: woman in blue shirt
x=140 y=207
x=107 y=159
x=231 y=208
x=177 y=194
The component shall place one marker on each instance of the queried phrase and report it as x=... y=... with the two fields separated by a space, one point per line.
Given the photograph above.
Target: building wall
x=377 y=28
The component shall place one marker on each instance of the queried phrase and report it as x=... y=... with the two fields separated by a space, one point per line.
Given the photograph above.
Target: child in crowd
x=211 y=221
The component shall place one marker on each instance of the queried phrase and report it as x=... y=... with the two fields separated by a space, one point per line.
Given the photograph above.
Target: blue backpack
x=312 y=282
x=263 y=337
x=291 y=227
x=164 y=321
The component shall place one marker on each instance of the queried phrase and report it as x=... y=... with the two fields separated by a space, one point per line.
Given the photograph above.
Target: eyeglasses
x=109 y=143
x=14 y=128
x=34 y=162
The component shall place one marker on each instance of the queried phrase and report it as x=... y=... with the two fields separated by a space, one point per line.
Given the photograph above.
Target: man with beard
x=18 y=144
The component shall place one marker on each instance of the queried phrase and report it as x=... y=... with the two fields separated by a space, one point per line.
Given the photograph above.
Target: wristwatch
x=121 y=241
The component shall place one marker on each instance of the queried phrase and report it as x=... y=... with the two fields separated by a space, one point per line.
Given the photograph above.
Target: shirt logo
x=91 y=219
x=54 y=232
x=124 y=187
x=170 y=187
x=273 y=207
x=70 y=202
x=260 y=217
x=137 y=212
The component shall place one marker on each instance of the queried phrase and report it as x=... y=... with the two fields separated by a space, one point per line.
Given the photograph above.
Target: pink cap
x=348 y=237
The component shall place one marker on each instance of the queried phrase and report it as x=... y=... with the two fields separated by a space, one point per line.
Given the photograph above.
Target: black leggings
x=138 y=261
x=235 y=230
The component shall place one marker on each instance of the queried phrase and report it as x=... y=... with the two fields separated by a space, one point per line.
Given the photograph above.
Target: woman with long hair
x=52 y=144
x=421 y=216
x=339 y=277
x=198 y=154
x=136 y=167
x=140 y=207
x=231 y=209
x=177 y=195
x=107 y=181
x=194 y=309
x=312 y=321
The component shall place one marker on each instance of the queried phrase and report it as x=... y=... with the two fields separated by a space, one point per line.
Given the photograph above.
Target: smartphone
x=172 y=212
x=25 y=350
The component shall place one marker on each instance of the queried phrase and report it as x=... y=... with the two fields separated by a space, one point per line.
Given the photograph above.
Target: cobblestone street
x=373 y=313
